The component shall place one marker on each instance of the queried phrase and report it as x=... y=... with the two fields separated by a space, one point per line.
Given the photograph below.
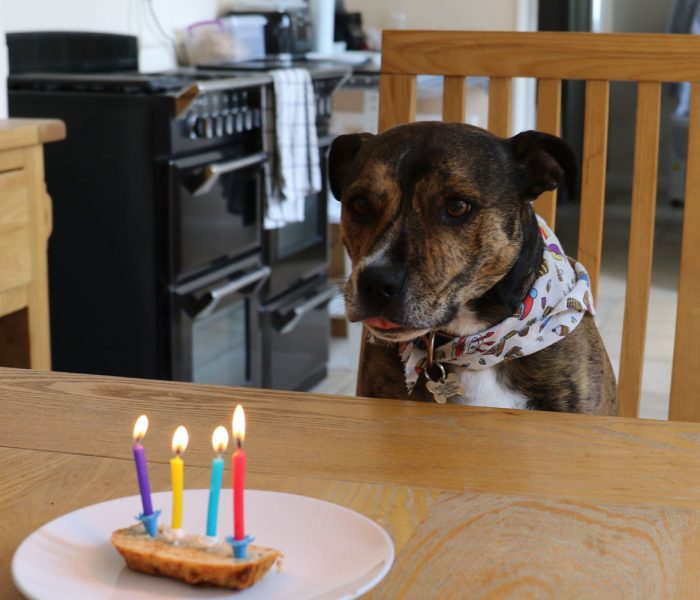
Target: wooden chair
x=598 y=59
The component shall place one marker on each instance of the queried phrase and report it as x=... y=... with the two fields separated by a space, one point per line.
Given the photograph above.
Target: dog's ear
x=343 y=151
x=545 y=160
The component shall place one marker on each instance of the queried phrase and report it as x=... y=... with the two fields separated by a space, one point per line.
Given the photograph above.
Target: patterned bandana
x=552 y=308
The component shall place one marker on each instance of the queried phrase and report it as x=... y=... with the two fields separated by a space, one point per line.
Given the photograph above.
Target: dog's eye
x=456 y=207
x=360 y=205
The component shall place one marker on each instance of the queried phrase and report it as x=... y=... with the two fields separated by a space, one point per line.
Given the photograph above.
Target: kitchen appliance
x=300 y=251
x=296 y=295
x=348 y=29
x=214 y=325
x=288 y=32
x=71 y=52
x=322 y=14
x=155 y=262
x=296 y=330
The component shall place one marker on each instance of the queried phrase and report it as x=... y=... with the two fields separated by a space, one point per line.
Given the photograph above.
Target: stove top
x=128 y=82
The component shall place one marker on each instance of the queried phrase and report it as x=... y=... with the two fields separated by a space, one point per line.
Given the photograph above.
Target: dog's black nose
x=381 y=285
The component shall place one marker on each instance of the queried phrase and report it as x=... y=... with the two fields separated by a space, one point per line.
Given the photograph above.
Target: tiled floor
x=662 y=312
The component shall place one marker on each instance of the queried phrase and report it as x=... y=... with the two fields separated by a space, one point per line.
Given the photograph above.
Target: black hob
x=121 y=83
x=191 y=110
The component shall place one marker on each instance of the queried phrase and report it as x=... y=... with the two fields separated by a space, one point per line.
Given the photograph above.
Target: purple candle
x=141 y=468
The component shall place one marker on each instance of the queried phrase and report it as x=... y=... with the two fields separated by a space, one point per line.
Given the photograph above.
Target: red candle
x=238 y=473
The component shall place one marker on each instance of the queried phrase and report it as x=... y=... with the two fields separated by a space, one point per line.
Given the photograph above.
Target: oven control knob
x=190 y=126
x=208 y=127
x=219 y=125
x=200 y=127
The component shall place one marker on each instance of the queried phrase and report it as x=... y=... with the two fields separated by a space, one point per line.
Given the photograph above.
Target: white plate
x=329 y=551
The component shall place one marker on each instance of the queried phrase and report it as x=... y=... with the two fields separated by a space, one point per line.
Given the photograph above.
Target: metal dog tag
x=445 y=387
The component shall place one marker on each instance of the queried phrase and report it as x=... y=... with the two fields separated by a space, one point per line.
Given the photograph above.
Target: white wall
x=438 y=14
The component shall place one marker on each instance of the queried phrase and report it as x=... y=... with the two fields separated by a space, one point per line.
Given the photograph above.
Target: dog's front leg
x=381 y=372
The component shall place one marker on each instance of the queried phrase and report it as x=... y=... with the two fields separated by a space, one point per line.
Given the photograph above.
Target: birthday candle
x=238 y=473
x=177 y=465
x=140 y=429
x=219 y=441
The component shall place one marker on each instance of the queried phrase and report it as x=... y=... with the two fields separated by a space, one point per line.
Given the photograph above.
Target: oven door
x=215 y=332
x=214 y=202
x=299 y=251
x=296 y=331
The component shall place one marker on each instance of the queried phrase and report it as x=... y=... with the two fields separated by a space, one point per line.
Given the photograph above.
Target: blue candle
x=219 y=441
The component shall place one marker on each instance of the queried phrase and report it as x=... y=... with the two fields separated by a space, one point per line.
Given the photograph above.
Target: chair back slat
x=397 y=100
x=685 y=382
x=454 y=97
x=500 y=97
x=595 y=150
x=641 y=247
x=543 y=54
x=548 y=121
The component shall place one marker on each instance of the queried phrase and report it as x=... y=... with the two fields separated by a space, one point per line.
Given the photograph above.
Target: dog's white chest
x=483 y=389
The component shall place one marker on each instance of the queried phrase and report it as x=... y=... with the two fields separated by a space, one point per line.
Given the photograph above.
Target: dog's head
x=432 y=218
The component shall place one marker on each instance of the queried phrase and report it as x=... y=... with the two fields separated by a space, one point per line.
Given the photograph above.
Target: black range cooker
x=158 y=263
x=155 y=261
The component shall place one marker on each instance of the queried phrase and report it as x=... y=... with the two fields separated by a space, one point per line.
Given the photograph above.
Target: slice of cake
x=192 y=558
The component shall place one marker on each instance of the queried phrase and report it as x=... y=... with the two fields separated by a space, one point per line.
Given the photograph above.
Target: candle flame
x=238 y=424
x=180 y=439
x=140 y=427
x=219 y=440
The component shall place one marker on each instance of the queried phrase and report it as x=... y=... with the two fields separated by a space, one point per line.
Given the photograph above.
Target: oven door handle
x=286 y=321
x=214 y=171
x=215 y=296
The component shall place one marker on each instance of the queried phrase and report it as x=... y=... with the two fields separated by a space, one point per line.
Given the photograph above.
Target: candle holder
x=240 y=547
x=150 y=522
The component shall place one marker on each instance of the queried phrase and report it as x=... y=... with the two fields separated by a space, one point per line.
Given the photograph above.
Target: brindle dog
x=438 y=221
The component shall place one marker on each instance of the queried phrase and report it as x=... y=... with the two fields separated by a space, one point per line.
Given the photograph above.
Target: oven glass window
x=220 y=347
x=295 y=237
x=216 y=222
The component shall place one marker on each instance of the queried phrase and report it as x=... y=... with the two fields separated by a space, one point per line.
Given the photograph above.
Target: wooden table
x=480 y=502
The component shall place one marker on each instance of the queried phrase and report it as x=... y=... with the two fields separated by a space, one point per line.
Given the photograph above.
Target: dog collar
x=552 y=309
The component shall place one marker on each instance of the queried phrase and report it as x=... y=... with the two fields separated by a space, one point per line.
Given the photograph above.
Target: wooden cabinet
x=25 y=225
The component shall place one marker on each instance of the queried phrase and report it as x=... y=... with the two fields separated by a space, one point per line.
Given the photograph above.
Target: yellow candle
x=177 y=475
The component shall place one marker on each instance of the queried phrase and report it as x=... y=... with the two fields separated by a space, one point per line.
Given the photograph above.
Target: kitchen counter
x=25 y=225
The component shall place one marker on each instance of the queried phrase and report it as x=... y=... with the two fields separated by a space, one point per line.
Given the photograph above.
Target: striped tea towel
x=291 y=136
